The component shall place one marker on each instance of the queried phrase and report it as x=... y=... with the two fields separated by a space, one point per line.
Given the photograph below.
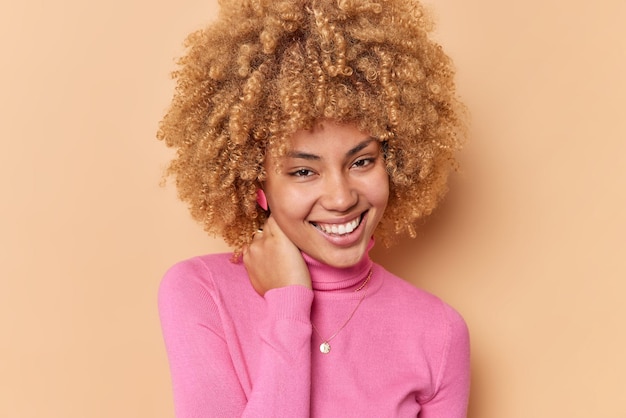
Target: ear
x=261 y=200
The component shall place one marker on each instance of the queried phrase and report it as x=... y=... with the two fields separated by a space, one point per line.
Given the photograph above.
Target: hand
x=273 y=261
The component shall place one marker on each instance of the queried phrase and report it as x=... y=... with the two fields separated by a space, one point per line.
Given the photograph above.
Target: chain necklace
x=325 y=346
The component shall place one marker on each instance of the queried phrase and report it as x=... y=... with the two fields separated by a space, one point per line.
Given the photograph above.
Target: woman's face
x=330 y=192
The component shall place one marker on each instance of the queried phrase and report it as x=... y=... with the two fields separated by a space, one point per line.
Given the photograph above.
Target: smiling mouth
x=339 y=229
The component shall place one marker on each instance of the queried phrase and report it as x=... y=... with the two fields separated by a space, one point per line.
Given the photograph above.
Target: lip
x=346 y=239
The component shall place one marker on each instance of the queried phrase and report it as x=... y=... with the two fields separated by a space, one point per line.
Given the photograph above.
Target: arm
x=284 y=385
x=453 y=383
x=205 y=377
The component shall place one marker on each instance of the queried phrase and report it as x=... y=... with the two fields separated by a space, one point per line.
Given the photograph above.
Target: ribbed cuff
x=290 y=302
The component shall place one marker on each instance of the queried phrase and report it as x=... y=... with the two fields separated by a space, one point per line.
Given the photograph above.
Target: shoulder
x=198 y=278
x=408 y=296
x=195 y=271
x=438 y=333
x=420 y=309
x=200 y=266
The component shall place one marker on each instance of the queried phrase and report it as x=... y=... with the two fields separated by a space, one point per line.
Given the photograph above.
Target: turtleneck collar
x=328 y=278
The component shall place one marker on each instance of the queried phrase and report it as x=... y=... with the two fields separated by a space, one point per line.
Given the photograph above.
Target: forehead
x=327 y=137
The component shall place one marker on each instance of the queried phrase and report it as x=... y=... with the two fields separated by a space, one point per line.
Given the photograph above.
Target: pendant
x=325 y=347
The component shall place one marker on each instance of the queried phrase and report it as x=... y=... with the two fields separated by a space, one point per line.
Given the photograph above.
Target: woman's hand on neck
x=273 y=261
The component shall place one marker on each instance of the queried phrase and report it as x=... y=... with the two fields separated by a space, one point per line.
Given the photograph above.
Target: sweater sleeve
x=453 y=383
x=204 y=374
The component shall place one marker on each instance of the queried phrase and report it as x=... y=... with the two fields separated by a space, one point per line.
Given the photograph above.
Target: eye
x=363 y=162
x=302 y=172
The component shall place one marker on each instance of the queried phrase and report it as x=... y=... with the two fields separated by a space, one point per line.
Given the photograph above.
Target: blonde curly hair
x=267 y=68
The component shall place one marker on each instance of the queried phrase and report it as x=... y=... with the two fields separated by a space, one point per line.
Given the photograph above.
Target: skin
x=333 y=180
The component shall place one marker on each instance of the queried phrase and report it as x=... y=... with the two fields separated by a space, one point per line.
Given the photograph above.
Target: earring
x=261 y=199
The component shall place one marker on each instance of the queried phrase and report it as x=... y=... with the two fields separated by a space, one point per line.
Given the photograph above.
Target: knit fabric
x=233 y=353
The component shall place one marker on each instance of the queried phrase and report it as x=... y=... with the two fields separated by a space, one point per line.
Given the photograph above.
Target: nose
x=339 y=194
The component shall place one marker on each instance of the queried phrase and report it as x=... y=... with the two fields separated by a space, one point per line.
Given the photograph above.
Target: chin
x=342 y=259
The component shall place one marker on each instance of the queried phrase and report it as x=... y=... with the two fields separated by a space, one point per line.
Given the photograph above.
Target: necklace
x=325 y=346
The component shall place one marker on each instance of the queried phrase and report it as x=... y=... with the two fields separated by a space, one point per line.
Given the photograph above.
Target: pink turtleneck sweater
x=233 y=353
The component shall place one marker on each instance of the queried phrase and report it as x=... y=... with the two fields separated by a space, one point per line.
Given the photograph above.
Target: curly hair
x=268 y=68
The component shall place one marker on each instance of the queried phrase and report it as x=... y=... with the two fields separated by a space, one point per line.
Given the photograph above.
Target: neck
x=328 y=278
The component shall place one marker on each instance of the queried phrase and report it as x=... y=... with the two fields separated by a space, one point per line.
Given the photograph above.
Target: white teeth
x=339 y=229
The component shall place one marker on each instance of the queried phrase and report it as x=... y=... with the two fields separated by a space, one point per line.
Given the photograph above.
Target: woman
x=303 y=128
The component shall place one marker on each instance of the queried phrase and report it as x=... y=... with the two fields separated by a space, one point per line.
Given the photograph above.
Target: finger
x=245 y=254
x=272 y=228
x=256 y=234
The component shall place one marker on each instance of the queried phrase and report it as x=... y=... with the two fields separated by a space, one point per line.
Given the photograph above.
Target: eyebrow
x=312 y=157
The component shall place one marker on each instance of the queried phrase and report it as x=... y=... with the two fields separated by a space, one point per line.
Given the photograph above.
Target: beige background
x=529 y=246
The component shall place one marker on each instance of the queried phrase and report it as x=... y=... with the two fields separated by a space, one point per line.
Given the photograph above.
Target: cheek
x=288 y=202
x=379 y=194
